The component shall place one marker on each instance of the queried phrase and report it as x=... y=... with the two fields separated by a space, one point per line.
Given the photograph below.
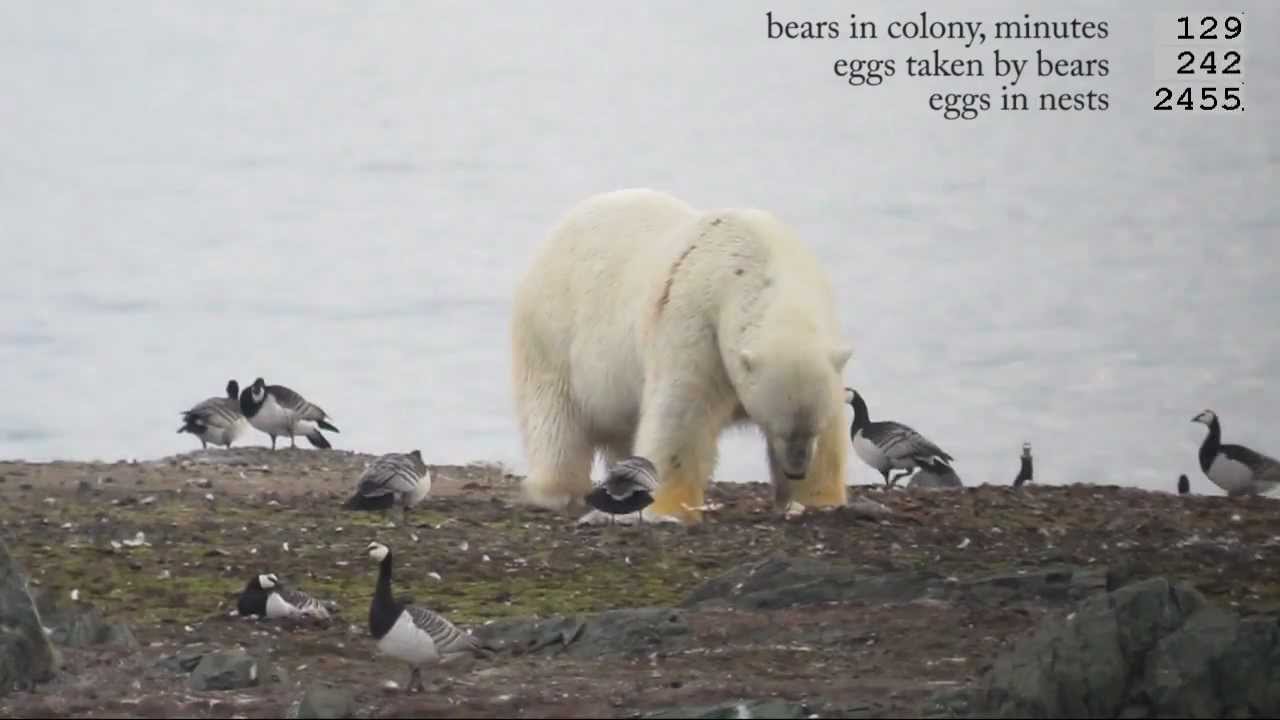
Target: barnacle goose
x=412 y=633
x=265 y=596
x=1235 y=468
x=1184 y=485
x=217 y=420
x=277 y=410
x=935 y=474
x=628 y=488
x=1024 y=472
x=392 y=479
x=887 y=445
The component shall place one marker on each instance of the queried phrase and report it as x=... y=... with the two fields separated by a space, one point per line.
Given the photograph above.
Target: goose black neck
x=384 y=610
x=1209 y=448
x=1025 y=472
x=860 y=415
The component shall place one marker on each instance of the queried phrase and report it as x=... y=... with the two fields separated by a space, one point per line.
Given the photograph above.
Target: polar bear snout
x=794 y=456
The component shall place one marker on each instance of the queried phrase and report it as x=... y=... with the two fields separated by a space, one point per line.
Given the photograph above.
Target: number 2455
x=1208 y=99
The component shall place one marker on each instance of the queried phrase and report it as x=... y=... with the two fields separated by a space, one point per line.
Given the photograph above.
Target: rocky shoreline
x=1085 y=601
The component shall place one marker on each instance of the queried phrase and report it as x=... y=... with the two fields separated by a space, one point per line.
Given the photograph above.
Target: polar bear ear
x=840 y=356
x=748 y=359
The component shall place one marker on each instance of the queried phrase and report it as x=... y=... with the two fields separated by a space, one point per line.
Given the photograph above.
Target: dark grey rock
x=26 y=657
x=612 y=632
x=951 y=702
x=320 y=701
x=234 y=671
x=1148 y=649
x=78 y=624
x=181 y=662
x=780 y=582
x=1053 y=586
x=779 y=709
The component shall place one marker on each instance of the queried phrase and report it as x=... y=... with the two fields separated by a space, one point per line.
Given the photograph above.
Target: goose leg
x=293 y=443
x=273 y=442
x=203 y=445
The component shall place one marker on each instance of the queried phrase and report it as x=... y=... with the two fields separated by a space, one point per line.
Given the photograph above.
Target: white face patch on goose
x=377 y=551
x=267 y=581
x=257 y=394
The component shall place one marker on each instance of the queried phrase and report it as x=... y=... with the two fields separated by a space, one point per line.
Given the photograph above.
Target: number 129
x=1209 y=28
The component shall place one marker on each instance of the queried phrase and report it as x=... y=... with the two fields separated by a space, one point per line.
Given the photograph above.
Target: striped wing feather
x=447 y=637
x=214 y=412
x=391 y=473
x=1256 y=461
x=629 y=475
x=295 y=403
x=900 y=442
x=304 y=602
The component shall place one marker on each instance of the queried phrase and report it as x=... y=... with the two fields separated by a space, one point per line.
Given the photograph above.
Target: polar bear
x=647 y=327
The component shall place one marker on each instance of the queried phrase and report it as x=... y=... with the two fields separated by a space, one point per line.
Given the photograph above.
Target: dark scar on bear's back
x=671 y=276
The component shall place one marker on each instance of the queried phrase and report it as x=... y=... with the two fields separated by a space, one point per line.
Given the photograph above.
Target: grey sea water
x=340 y=196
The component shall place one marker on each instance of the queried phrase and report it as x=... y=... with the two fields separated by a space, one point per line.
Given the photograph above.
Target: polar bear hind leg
x=558 y=451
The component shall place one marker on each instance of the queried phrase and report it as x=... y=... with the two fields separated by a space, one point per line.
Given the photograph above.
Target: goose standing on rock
x=628 y=488
x=1024 y=472
x=217 y=420
x=1235 y=468
x=412 y=633
x=394 y=479
x=266 y=597
x=887 y=445
x=277 y=410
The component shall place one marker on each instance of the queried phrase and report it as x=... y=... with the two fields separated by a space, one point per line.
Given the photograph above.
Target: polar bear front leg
x=679 y=431
x=824 y=484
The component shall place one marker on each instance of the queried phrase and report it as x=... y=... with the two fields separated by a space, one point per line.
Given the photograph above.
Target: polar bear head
x=792 y=391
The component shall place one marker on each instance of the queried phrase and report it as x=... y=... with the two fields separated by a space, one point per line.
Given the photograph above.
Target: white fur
x=408 y=642
x=609 y=357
